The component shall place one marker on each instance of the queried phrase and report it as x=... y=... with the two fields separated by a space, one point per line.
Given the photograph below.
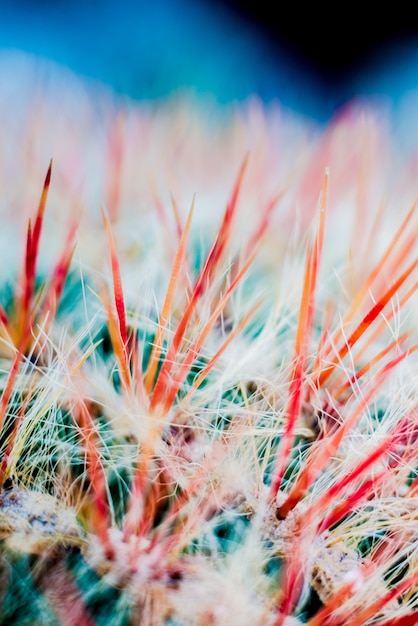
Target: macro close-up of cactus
x=208 y=315
x=208 y=365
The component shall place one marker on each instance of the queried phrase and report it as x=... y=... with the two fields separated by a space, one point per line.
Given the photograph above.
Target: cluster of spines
x=163 y=515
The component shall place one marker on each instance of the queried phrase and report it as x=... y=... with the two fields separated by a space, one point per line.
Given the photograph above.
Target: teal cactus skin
x=208 y=401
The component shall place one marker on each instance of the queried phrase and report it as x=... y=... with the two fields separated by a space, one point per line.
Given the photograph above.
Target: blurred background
x=310 y=58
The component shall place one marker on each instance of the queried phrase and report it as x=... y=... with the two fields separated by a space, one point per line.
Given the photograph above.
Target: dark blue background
x=311 y=59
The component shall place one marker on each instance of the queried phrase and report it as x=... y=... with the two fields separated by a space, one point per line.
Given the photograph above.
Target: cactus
x=207 y=417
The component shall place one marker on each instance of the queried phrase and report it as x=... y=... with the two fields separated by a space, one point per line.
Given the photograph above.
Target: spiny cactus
x=207 y=418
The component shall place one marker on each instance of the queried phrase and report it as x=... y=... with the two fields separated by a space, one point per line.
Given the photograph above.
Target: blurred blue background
x=311 y=60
